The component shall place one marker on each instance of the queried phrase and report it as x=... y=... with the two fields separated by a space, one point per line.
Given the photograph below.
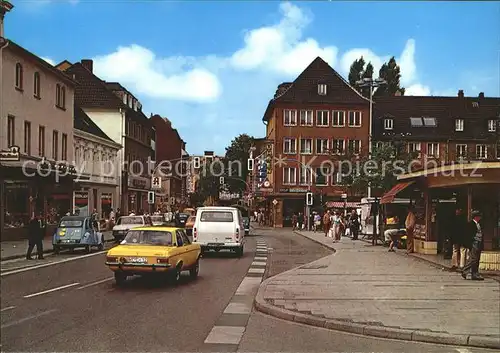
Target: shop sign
x=291 y=190
x=11 y=154
x=81 y=195
x=138 y=183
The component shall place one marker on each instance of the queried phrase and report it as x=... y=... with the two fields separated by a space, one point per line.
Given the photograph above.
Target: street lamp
x=372 y=84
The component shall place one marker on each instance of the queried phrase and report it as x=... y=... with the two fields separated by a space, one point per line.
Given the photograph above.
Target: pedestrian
x=33 y=230
x=94 y=220
x=300 y=220
x=327 y=223
x=474 y=235
x=295 y=222
x=410 y=227
x=458 y=240
x=354 y=225
x=42 y=230
x=317 y=222
x=336 y=226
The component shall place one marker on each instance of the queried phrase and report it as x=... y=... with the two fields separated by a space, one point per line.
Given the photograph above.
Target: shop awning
x=391 y=194
x=340 y=204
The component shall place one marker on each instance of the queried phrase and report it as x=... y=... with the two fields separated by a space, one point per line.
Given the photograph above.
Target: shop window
x=16 y=199
x=58 y=204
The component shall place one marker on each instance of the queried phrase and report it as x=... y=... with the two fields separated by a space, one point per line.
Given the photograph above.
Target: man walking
x=410 y=227
x=457 y=238
x=354 y=225
x=475 y=234
x=33 y=229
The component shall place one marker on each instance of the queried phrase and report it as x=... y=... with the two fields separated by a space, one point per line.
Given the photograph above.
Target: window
x=289 y=176
x=306 y=146
x=354 y=119
x=322 y=175
x=355 y=146
x=388 y=124
x=60 y=96
x=63 y=97
x=306 y=117
x=416 y=122
x=492 y=126
x=459 y=125
x=475 y=104
x=64 y=147
x=322 y=146
x=322 y=118
x=55 y=145
x=415 y=147
x=27 y=137
x=461 y=151
x=338 y=118
x=322 y=89
x=11 y=131
x=19 y=76
x=36 y=84
x=289 y=117
x=216 y=216
x=41 y=141
x=338 y=146
x=481 y=151
x=305 y=177
x=431 y=122
x=433 y=150
x=289 y=145
x=124 y=99
x=498 y=150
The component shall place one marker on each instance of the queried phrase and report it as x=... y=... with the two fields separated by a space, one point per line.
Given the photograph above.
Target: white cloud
x=417 y=90
x=50 y=61
x=139 y=69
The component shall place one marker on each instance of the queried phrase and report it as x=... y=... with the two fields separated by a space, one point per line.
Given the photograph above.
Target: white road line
x=95 y=283
x=50 y=290
x=7 y=273
x=7 y=308
x=258 y=263
x=28 y=318
x=256 y=270
x=463 y=350
x=225 y=335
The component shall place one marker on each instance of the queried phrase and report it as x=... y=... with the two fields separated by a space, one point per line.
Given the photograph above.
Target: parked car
x=154 y=250
x=219 y=228
x=158 y=220
x=181 y=219
x=126 y=223
x=76 y=232
x=189 y=225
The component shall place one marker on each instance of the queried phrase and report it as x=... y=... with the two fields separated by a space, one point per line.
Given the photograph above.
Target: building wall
x=25 y=107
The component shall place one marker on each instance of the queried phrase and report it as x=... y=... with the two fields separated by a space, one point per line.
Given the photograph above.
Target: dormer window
x=492 y=126
x=475 y=104
x=430 y=122
x=124 y=99
x=459 y=124
x=388 y=124
x=322 y=89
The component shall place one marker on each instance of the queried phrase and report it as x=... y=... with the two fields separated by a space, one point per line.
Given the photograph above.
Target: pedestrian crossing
x=230 y=327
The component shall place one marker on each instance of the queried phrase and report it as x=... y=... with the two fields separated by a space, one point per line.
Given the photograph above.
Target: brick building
x=308 y=119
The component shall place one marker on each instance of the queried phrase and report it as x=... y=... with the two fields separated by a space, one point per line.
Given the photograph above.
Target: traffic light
x=151 y=197
x=250 y=164
x=221 y=180
x=309 y=199
x=196 y=162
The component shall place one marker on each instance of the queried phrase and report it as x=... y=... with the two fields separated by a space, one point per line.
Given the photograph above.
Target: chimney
x=5 y=7
x=460 y=93
x=398 y=93
x=88 y=64
x=481 y=94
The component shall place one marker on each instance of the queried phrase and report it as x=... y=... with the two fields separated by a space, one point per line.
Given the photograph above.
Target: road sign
x=309 y=199
x=151 y=197
x=155 y=183
x=275 y=202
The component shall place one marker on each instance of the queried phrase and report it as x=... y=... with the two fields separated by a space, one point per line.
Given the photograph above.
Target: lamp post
x=372 y=84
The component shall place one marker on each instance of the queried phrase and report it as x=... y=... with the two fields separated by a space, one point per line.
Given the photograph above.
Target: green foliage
x=209 y=183
x=356 y=72
x=391 y=73
x=236 y=163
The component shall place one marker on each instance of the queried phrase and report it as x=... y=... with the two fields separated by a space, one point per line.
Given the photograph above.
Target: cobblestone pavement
x=367 y=285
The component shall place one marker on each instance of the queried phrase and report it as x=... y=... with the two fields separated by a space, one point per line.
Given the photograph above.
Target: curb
x=329 y=247
x=261 y=305
x=45 y=251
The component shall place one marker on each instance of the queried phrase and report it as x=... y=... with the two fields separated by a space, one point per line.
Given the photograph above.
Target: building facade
x=96 y=159
x=309 y=122
x=37 y=125
x=194 y=173
x=119 y=115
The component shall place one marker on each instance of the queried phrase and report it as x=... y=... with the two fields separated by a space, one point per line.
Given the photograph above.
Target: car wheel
x=239 y=252
x=176 y=275
x=88 y=249
x=57 y=249
x=195 y=270
x=120 y=278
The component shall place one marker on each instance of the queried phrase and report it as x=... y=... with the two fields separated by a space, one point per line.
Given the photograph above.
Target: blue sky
x=211 y=67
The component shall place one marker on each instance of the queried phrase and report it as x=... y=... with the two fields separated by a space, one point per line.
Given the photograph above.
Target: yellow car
x=154 y=250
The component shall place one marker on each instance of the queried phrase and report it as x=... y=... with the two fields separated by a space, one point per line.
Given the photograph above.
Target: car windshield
x=157 y=219
x=148 y=237
x=67 y=223
x=216 y=216
x=130 y=220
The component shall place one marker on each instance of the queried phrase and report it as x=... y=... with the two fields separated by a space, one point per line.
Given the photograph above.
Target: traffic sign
x=155 y=182
x=275 y=202
x=151 y=197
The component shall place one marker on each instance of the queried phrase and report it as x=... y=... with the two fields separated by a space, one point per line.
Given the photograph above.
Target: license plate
x=215 y=244
x=137 y=260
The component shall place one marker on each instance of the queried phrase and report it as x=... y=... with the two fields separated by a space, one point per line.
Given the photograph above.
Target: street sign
x=275 y=202
x=151 y=197
x=309 y=199
x=155 y=183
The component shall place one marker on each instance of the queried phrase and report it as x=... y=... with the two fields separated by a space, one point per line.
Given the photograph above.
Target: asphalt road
x=86 y=312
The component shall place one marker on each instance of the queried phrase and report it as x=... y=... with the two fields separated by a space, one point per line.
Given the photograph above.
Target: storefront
x=137 y=194
x=89 y=196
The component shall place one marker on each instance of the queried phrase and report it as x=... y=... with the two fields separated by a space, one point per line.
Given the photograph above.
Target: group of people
x=37 y=228
x=335 y=225
x=393 y=233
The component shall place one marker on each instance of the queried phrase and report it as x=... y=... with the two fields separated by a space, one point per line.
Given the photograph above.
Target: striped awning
x=340 y=204
x=391 y=194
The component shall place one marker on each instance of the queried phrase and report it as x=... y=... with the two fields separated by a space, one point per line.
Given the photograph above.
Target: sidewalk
x=17 y=248
x=366 y=290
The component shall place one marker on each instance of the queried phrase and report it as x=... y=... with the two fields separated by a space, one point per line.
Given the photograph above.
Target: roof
x=305 y=90
x=83 y=122
x=475 y=111
x=41 y=62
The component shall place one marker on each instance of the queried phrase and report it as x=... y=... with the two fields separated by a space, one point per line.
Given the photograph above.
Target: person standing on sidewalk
x=475 y=235
x=33 y=231
x=457 y=238
x=326 y=222
x=410 y=227
x=354 y=225
x=301 y=220
x=294 y=222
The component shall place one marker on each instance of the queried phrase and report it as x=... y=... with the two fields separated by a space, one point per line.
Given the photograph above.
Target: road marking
x=50 y=290
x=18 y=322
x=259 y=263
x=225 y=335
x=260 y=258
x=256 y=270
x=238 y=308
x=95 y=283
x=7 y=308
x=463 y=350
x=51 y=263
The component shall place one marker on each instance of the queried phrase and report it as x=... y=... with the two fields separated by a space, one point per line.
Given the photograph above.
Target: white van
x=217 y=228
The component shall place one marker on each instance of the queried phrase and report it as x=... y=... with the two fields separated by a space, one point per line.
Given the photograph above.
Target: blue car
x=76 y=232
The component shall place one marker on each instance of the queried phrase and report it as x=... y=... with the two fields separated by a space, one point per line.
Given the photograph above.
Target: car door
x=192 y=252
x=182 y=249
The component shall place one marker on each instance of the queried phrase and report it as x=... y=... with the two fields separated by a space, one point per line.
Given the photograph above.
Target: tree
x=367 y=73
x=236 y=163
x=208 y=186
x=356 y=72
x=391 y=73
